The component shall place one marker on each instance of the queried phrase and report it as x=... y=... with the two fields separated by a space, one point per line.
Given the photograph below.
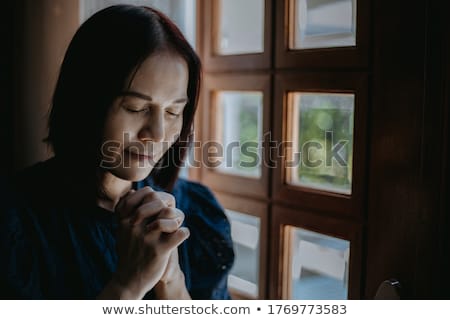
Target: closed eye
x=174 y=114
x=128 y=109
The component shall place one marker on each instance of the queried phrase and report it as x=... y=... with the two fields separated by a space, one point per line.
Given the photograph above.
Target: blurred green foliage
x=319 y=114
x=249 y=133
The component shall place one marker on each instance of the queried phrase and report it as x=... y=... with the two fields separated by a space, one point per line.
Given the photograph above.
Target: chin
x=132 y=174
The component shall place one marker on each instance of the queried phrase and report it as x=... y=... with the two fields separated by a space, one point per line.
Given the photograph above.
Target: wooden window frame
x=276 y=72
x=339 y=57
x=303 y=197
x=251 y=61
x=257 y=209
x=280 y=276
x=234 y=184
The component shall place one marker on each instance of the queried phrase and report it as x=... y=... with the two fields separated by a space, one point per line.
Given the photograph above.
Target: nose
x=153 y=130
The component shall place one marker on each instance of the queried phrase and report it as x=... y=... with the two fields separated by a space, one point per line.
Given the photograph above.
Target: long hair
x=105 y=51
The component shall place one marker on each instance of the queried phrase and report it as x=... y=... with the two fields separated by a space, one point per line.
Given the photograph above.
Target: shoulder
x=32 y=185
x=22 y=195
x=17 y=244
x=23 y=199
x=35 y=171
x=19 y=191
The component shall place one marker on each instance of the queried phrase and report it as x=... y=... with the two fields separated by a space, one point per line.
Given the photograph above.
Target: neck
x=114 y=188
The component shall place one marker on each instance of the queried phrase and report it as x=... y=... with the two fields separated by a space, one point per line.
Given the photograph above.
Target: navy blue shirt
x=52 y=249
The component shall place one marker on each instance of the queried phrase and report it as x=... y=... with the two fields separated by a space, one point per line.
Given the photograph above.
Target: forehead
x=162 y=76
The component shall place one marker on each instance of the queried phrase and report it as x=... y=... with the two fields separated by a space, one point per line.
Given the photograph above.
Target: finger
x=128 y=203
x=163 y=225
x=121 y=202
x=172 y=213
x=168 y=199
x=174 y=239
x=174 y=256
x=146 y=211
x=167 y=241
x=130 y=192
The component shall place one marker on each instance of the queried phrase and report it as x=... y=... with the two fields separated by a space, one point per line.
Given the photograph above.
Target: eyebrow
x=148 y=98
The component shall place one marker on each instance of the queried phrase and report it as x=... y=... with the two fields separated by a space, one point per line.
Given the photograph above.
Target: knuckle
x=180 y=213
x=166 y=211
x=136 y=233
x=173 y=224
x=158 y=224
x=152 y=196
x=160 y=203
x=170 y=197
x=139 y=213
x=166 y=196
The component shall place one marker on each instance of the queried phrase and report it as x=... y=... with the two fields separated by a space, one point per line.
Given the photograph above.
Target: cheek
x=174 y=130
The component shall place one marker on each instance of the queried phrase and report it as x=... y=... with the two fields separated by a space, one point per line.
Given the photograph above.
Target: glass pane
x=240 y=26
x=319 y=266
x=238 y=129
x=323 y=24
x=245 y=231
x=181 y=12
x=321 y=130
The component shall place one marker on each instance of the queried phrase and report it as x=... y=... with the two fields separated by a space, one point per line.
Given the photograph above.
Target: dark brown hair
x=104 y=52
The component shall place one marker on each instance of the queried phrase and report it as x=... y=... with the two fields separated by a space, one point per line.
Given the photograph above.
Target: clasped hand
x=149 y=233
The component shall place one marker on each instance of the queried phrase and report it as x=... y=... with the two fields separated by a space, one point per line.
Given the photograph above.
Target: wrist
x=173 y=289
x=119 y=290
x=175 y=277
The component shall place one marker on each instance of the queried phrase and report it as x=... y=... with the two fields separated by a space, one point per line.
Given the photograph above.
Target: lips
x=139 y=155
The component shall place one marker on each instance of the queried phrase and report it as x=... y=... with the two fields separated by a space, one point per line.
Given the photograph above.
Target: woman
x=96 y=220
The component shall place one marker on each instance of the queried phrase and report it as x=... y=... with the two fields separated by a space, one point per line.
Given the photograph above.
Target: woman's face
x=147 y=118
